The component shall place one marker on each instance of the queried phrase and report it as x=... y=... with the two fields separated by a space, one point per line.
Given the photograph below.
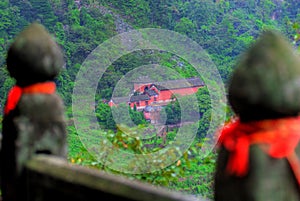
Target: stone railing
x=49 y=178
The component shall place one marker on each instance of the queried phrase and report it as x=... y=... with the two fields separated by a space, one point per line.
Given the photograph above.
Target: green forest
x=223 y=28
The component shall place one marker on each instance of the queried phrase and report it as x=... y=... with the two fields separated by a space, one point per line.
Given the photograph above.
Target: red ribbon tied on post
x=280 y=138
x=16 y=92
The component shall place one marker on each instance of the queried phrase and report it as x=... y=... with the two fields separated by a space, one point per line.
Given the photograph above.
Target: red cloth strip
x=280 y=137
x=16 y=92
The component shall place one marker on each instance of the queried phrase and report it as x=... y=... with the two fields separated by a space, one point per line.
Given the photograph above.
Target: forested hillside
x=224 y=28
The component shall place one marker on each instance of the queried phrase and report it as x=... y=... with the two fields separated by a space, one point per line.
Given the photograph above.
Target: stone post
x=34 y=121
x=258 y=157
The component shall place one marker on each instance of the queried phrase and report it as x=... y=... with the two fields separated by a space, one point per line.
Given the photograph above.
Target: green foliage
x=104 y=115
x=198 y=174
x=137 y=117
x=203 y=98
x=42 y=11
x=192 y=108
x=223 y=28
x=185 y=26
x=129 y=117
x=6 y=83
x=173 y=113
x=191 y=173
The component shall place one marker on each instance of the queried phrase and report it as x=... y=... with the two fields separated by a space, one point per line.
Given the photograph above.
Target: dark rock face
x=264 y=86
x=37 y=124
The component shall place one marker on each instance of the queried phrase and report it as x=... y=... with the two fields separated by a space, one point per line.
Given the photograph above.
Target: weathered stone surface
x=34 y=56
x=265 y=85
x=267 y=78
x=41 y=127
x=50 y=178
x=269 y=179
x=37 y=123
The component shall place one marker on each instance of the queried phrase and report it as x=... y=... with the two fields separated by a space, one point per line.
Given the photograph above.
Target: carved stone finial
x=34 y=120
x=34 y=56
x=258 y=156
x=267 y=78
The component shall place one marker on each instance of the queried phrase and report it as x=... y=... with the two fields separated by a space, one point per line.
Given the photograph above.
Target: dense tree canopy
x=224 y=28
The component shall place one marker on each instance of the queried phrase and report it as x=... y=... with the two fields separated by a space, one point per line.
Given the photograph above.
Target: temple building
x=156 y=94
